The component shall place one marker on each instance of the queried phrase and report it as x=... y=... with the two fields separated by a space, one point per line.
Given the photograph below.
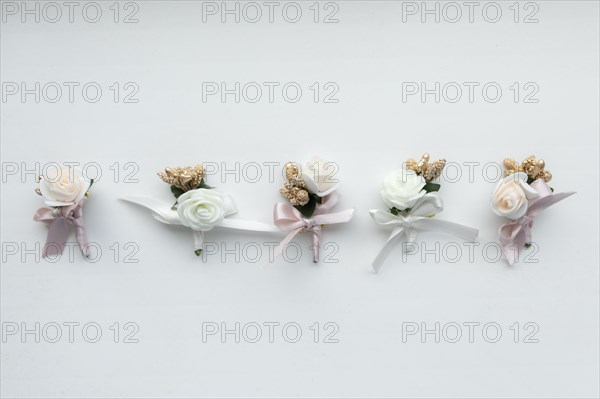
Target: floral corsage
x=65 y=191
x=311 y=194
x=520 y=196
x=411 y=195
x=197 y=206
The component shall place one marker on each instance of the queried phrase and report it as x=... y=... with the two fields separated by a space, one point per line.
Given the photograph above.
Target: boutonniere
x=197 y=206
x=311 y=195
x=65 y=191
x=520 y=196
x=412 y=199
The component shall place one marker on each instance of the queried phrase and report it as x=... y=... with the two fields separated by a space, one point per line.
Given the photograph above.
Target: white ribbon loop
x=407 y=226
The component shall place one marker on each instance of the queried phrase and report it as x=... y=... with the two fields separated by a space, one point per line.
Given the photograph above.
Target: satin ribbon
x=513 y=236
x=288 y=218
x=163 y=212
x=58 y=220
x=407 y=226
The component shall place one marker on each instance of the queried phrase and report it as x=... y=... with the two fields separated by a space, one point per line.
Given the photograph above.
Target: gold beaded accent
x=294 y=186
x=429 y=170
x=534 y=168
x=187 y=178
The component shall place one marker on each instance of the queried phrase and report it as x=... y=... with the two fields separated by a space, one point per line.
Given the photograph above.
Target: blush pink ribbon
x=513 y=236
x=58 y=219
x=288 y=218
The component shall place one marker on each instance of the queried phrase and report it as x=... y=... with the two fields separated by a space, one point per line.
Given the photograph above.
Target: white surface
x=170 y=292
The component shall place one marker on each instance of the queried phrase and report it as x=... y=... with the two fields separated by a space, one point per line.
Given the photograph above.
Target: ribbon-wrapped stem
x=515 y=235
x=288 y=218
x=198 y=241
x=316 y=237
x=58 y=219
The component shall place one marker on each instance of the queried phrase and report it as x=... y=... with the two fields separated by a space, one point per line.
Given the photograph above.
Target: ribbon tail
x=160 y=210
x=451 y=228
x=411 y=237
x=513 y=239
x=511 y=253
x=198 y=241
x=285 y=242
x=81 y=237
x=540 y=204
x=396 y=235
x=248 y=225
x=57 y=238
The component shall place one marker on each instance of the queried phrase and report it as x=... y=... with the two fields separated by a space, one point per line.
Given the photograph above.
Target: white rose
x=63 y=187
x=319 y=177
x=402 y=189
x=202 y=209
x=510 y=198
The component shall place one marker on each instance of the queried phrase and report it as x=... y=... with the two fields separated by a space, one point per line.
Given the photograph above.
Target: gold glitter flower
x=186 y=179
x=294 y=186
x=534 y=168
x=429 y=170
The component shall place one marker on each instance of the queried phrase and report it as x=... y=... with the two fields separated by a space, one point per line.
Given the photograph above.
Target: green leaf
x=431 y=187
x=395 y=211
x=529 y=180
x=176 y=191
x=204 y=185
x=527 y=245
x=198 y=252
x=308 y=209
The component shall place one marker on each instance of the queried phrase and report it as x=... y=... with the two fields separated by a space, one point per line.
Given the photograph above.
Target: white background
x=170 y=293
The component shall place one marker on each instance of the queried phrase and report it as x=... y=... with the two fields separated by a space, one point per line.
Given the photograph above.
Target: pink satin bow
x=515 y=235
x=58 y=219
x=288 y=218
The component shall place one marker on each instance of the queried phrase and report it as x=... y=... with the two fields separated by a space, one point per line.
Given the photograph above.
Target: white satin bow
x=419 y=218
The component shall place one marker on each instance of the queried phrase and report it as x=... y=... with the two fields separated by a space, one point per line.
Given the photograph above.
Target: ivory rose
x=202 y=209
x=63 y=186
x=319 y=177
x=402 y=188
x=511 y=196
